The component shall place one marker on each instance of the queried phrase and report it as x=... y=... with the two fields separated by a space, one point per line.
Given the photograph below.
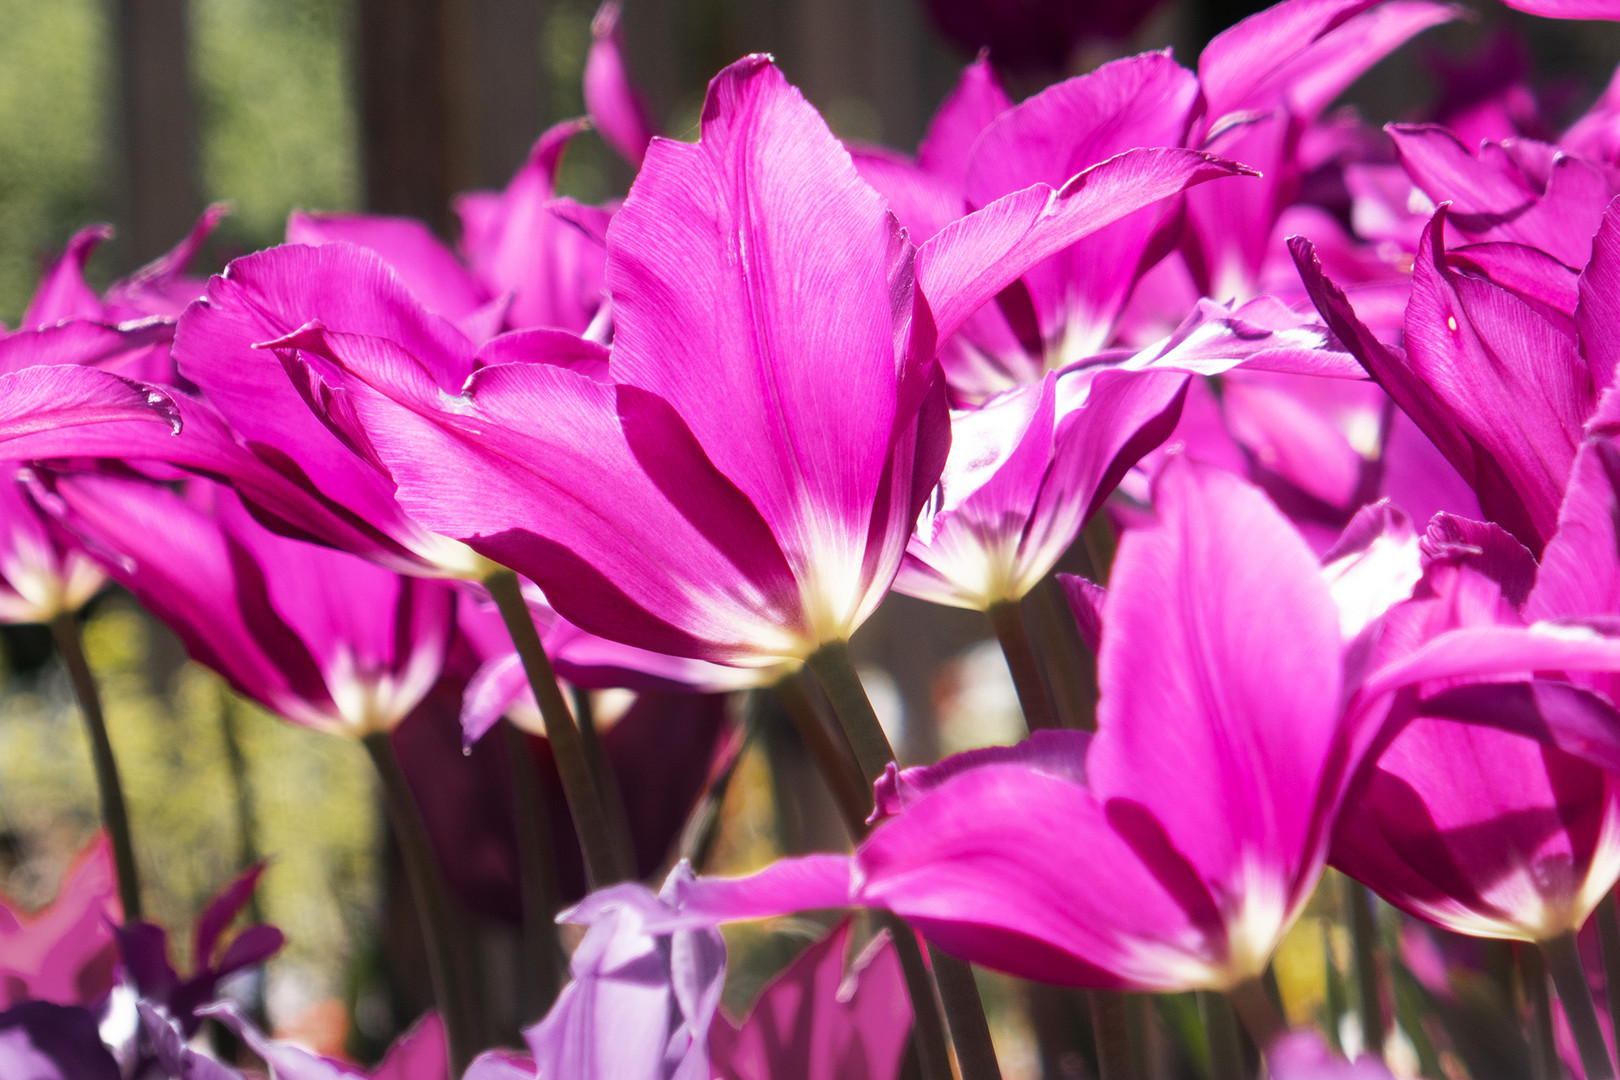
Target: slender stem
x=1334 y=1005
x=446 y=963
x=835 y=671
x=537 y=877
x=1110 y=1026
x=831 y=753
x=114 y=812
x=1254 y=1006
x=928 y=1038
x=602 y=775
x=1070 y=667
x=1533 y=984
x=964 y=1012
x=247 y=832
x=607 y=855
x=1007 y=617
x=1608 y=924
x=1563 y=959
x=1358 y=903
x=872 y=754
x=1221 y=1030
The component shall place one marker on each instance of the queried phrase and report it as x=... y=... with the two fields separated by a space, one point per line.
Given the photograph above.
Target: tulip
x=64 y=953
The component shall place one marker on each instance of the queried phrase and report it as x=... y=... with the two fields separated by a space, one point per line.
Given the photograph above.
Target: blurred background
x=141 y=112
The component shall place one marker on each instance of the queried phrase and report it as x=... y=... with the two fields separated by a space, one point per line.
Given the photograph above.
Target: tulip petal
x=974 y=258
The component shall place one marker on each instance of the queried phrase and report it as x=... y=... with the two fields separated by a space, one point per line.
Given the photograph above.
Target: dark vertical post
x=405 y=101
x=154 y=130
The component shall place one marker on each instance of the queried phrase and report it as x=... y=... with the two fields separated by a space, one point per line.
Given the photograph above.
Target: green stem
x=1111 y=1031
x=872 y=754
x=247 y=850
x=964 y=1012
x=1563 y=959
x=1533 y=984
x=835 y=671
x=446 y=964
x=605 y=850
x=603 y=777
x=1254 y=1006
x=1007 y=617
x=1070 y=667
x=831 y=752
x=537 y=877
x=1358 y=902
x=114 y=812
x=1608 y=923
x=928 y=1039
x=1221 y=1031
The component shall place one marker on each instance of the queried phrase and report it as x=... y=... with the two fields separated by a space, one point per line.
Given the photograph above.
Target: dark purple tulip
x=43 y=1041
x=145 y=950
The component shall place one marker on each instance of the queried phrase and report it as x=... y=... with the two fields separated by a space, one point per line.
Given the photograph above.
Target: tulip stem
x=1111 y=1031
x=928 y=1038
x=1070 y=667
x=1563 y=959
x=1221 y=1030
x=114 y=812
x=1608 y=923
x=605 y=850
x=831 y=753
x=1254 y=1006
x=964 y=1012
x=1533 y=984
x=537 y=877
x=1007 y=617
x=446 y=968
x=1358 y=903
x=835 y=671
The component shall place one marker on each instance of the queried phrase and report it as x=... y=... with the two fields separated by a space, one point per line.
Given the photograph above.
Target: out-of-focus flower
x=818 y=1022
x=419 y=1054
x=641 y=1001
x=317 y=636
x=612 y=102
x=64 y=953
x=40 y=1040
x=145 y=950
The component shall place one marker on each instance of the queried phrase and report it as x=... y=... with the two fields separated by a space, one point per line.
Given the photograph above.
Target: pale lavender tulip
x=641 y=1002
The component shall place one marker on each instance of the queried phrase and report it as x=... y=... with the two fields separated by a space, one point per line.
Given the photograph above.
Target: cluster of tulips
x=1344 y=397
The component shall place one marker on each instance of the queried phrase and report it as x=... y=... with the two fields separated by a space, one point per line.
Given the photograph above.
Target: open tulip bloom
x=1172 y=849
x=1364 y=609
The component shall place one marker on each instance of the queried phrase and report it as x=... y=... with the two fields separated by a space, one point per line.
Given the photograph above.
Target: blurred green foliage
x=53 y=80
x=313 y=799
x=276 y=122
